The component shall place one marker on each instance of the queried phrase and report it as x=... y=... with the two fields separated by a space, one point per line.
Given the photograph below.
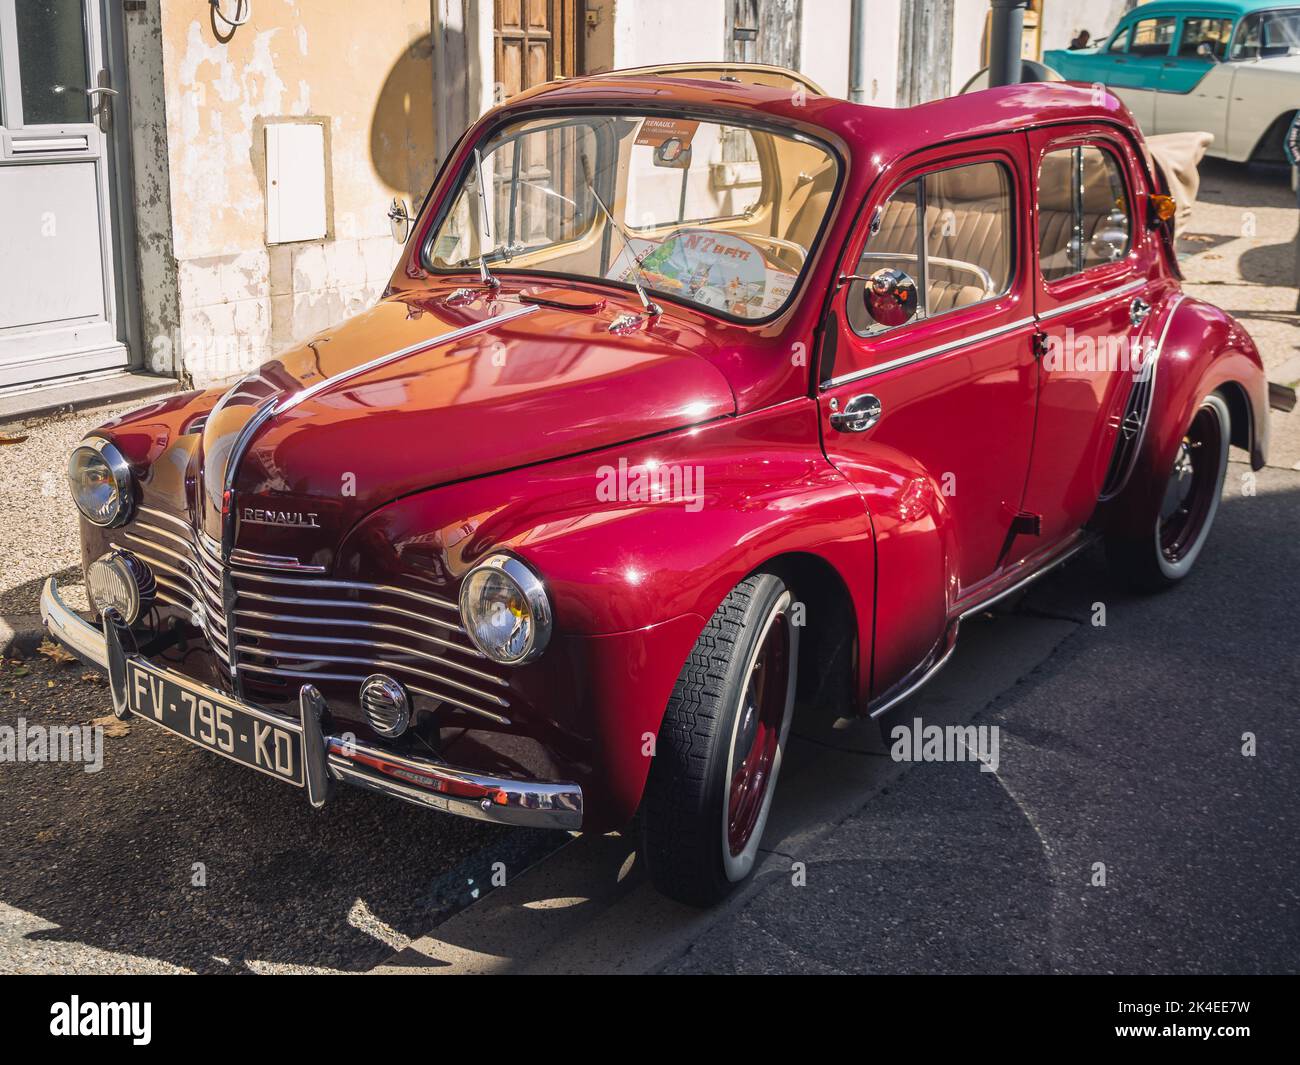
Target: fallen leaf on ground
x=112 y=725
x=44 y=835
x=54 y=652
x=12 y=439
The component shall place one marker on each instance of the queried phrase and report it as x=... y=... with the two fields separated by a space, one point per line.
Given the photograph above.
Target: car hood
x=1289 y=64
x=418 y=392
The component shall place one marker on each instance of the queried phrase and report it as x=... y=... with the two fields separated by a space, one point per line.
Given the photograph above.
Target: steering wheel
x=783 y=254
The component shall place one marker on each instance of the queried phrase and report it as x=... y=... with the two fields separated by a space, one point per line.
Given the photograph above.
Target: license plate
x=224 y=727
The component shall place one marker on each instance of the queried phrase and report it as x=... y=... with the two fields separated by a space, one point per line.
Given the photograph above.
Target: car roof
x=878 y=133
x=1201 y=7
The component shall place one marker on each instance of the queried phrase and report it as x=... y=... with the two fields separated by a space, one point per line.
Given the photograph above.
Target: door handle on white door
x=101 y=99
x=859 y=414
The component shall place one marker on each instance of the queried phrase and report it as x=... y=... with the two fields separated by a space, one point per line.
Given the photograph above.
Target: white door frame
x=87 y=343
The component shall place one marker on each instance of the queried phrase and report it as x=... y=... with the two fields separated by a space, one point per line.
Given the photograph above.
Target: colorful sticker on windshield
x=719 y=270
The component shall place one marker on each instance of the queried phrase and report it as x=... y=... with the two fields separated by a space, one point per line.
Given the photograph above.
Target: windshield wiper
x=485 y=275
x=650 y=308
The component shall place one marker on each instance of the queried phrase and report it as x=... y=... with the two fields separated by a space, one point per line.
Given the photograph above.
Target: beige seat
x=1056 y=209
x=967 y=220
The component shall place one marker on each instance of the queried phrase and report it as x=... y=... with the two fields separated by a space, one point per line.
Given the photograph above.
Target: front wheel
x=1187 y=509
x=719 y=749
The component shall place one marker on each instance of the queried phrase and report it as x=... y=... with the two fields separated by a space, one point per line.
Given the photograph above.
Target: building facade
x=187 y=186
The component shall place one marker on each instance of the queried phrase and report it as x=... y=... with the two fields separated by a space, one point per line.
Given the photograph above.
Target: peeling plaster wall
x=370 y=80
x=159 y=309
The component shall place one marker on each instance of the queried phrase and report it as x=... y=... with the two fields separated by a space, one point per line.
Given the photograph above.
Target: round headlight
x=100 y=481
x=121 y=582
x=506 y=610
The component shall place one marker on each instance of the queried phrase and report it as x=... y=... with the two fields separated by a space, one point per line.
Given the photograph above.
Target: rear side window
x=951 y=231
x=1084 y=217
x=1152 y=36
x=1198 y=31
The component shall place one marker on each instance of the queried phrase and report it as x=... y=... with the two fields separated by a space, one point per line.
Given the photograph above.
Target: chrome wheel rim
x=761 y=726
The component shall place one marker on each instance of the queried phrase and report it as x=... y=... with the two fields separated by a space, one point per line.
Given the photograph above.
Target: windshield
x=1269 y=33
x=722 y=216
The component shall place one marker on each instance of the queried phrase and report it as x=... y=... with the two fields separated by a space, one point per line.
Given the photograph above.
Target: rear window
x=1084 y=217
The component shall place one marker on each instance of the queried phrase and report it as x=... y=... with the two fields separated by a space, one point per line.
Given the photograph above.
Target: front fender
x=632 y=573
x=1204 y=350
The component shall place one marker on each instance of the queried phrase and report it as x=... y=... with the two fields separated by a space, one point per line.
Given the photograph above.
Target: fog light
x=119 y=581
x=385 y=704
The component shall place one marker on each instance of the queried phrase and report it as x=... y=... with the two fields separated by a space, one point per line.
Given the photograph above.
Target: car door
x=1136 y=75
x=1194 y=88
x=932 y=419
x=1091 y=268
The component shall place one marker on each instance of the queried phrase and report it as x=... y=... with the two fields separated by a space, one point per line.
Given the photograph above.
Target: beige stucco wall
x=369 y=79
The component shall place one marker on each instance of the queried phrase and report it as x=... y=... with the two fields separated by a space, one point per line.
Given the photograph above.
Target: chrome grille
x=187 y=567
x=291 y=627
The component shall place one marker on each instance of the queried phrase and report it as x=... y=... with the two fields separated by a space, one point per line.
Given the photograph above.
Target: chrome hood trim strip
x=281 y=402
x=291 y=401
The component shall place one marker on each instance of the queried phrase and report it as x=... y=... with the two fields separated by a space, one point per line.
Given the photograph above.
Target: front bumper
x=329 y=758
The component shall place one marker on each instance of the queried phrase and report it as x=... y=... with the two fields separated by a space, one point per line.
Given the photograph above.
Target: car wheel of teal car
x=719 y=749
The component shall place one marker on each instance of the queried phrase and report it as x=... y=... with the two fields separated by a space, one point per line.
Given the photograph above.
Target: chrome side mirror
x=1205 y=50
x=399 y=220
x=890 y=296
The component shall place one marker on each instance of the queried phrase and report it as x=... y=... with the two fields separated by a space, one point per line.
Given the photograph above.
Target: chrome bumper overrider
x=328 y=758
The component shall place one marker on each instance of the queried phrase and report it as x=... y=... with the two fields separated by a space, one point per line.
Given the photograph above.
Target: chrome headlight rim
x=535 y=595
x=120 y=471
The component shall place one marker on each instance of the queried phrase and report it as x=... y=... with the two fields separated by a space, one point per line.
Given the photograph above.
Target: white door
x=58 y=314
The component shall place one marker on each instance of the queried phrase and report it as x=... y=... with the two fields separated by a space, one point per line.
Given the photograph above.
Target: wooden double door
x=536 y=41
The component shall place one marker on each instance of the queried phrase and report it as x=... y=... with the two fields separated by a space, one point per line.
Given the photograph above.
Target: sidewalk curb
x=20 y=632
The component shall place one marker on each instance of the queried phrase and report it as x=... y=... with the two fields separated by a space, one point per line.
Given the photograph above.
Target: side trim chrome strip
x=889 y=701
x=928 y=353
x=1050 y=564
x=893 y=700
x=1078 y=305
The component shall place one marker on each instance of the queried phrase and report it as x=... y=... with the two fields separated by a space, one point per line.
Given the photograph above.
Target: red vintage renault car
x=689 y=395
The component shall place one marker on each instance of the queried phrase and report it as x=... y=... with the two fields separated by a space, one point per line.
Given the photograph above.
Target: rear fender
x=1204 y=350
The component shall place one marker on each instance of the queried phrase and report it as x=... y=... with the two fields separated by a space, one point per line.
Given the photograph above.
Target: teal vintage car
x=1226 y=67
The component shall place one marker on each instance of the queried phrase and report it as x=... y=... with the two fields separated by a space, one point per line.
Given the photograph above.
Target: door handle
x=101 y=98
x=1138 y=311
x=859 y=414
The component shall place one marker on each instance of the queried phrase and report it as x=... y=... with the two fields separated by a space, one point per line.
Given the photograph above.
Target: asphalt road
x=1120 y=746
x=1124 y=748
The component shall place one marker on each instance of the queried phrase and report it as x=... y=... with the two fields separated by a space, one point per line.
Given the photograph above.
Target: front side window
x=1268 y=34
x=1198 y=31
x=951 y=232
x=720 y=215
x=1152 y=36
x=1119 y=43
x=1084 y=217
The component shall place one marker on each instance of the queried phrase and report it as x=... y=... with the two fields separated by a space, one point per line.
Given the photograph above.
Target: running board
x=925 y=672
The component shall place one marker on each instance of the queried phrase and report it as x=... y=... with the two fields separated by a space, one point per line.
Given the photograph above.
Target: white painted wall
x=1063 y=19
x=882 y=54
x=968 y=21
x=824 y=44
x=667 y=31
